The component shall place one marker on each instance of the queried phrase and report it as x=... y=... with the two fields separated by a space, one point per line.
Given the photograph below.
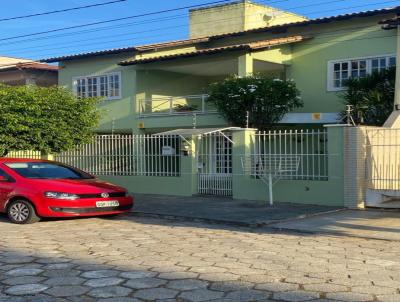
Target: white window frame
x=330 y=85
x=98 y=84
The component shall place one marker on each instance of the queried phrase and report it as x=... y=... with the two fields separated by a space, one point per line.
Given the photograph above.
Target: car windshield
x=43 y=170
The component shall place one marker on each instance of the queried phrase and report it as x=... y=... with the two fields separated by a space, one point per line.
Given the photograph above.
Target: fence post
x=189 y=164
x=354 y=167
x=336 y=164
x=241 y=148
x=46 y=156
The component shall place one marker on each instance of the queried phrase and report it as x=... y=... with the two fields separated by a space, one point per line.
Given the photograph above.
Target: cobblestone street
x=141 y=259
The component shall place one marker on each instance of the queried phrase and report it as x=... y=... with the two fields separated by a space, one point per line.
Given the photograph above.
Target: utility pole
x=394 y=119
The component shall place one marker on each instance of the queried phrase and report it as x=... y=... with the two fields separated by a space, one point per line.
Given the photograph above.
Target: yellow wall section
x=236 y=17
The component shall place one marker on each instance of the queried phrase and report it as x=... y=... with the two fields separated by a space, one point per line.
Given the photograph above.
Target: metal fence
x=127 y=155
x=25 y=154
x=382 y=146
x=309 y=147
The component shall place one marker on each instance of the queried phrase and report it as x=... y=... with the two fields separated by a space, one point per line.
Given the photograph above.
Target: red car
x=30 y=189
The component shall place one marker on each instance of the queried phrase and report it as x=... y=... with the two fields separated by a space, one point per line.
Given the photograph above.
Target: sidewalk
x=223 y=210
x=372 y=224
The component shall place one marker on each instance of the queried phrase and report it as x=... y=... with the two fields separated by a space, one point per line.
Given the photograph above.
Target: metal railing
x=175 y=105
x=309 y=147
x=127 y=155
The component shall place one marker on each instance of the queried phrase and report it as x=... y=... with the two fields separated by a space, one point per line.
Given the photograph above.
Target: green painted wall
x=350 y=39
x=117 y=114
x=307 y=64
x=329 y=192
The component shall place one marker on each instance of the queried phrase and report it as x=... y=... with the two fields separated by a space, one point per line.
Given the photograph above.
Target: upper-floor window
x=341 y=70
x=105 y=86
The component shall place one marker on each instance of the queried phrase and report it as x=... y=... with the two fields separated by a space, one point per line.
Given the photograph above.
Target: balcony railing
x=177 y=105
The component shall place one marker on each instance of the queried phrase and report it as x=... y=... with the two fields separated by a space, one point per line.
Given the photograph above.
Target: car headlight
x=60 y=195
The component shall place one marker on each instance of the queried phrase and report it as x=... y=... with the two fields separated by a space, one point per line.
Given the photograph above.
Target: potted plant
x=185 y=108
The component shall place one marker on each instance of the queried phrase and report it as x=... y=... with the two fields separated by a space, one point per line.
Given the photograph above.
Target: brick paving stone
x=277 y=286
x=120 y=299
x=137 y=275
x=23 y=280
x=67 y=290
x=187 y=284
x=99 y=274
x=110 y=292
x=64 y=281
x=388 y=298
x=230 y=286
x=24 y=272
x=199 y=295
x=101 y=282
x=295 y=296
x=25 y=289
x=156 y=294
x=144 y=283
x=61 y=273
x=350 y=297
x=374 y=290
x=246 y=296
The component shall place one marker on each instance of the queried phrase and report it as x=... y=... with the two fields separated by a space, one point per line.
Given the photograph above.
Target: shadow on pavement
x=140 y=259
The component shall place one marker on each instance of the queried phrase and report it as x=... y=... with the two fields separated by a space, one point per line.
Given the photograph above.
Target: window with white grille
x=106 y=86
x=341 y=70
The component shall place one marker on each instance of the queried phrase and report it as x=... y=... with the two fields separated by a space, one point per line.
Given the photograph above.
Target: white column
x=394 y=119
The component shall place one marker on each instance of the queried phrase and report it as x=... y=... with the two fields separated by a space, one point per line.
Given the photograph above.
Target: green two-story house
x=150 y=88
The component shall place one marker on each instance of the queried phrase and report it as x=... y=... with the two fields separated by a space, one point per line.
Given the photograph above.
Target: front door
x=215 y=165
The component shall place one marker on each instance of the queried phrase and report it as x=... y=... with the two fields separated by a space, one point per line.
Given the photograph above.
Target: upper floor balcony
x=175 y=105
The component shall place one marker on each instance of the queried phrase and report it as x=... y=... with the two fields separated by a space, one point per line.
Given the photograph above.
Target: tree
x=371 y=97
x=42 y=119
x=266 y=99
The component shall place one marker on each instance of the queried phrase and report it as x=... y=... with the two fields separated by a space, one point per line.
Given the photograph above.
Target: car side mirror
x=3 y=178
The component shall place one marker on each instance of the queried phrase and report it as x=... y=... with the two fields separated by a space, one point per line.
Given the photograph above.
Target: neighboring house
x=156 y=87
x=15 y=71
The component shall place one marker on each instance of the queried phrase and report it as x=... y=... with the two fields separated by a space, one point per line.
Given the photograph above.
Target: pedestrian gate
x=214 y=162
x=382 y=167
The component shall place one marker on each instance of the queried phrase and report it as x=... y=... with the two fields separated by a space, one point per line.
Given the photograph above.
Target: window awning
x=188 y=133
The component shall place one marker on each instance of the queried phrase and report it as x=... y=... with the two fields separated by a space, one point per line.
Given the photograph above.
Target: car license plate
x=107 y=204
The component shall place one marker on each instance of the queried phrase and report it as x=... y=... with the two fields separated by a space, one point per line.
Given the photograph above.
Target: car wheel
x=22 y=212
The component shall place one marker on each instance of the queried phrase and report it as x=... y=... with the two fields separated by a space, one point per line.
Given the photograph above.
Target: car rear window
x=42 y=170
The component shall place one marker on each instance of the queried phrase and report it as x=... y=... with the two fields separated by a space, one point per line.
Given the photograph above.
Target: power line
x=113 y=20
x=177 y=17
x=325 y=33
x=61 y=10
x=163 y=28
x=171 y=27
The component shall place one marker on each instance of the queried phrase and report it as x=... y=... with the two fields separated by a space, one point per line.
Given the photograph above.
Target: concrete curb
x=229 y=222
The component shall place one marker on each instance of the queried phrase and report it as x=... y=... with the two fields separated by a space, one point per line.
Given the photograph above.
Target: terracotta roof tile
x=255 y=46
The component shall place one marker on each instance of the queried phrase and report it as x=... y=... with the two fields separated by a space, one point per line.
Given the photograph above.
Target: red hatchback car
x=30 y=189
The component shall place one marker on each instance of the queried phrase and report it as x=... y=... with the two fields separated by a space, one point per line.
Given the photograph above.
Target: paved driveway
x=142 y=259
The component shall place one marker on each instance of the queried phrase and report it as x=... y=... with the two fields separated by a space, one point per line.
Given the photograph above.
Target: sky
x=130 y=32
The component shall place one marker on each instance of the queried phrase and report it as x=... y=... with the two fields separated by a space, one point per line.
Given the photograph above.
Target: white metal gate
x=382 y=167
x=214 y=160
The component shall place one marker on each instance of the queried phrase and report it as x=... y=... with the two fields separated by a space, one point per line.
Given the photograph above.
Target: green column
x=241 y=149
x=245 y=65
x=336 y=160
